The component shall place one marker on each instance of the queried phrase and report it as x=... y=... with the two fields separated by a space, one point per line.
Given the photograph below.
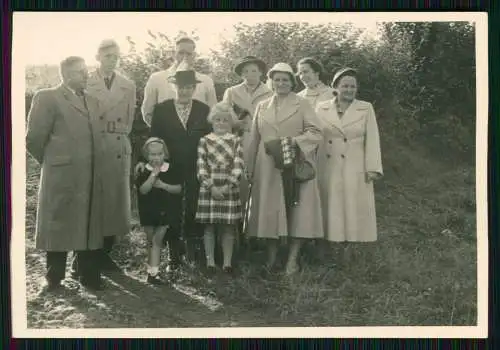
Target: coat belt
x=112 y=129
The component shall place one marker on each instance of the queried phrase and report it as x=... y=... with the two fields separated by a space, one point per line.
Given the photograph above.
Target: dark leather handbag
x=303 y=169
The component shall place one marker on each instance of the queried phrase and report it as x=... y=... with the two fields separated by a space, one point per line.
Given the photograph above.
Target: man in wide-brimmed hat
x=158 y=89
x=181 y=122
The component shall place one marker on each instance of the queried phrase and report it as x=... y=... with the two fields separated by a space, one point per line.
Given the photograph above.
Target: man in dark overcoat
x=181 y=123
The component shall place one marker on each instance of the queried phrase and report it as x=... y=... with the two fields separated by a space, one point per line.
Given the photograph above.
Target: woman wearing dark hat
x=244 y=98
x=284 y=129
x=349 y=162
x=181 y=123
x=311 y=74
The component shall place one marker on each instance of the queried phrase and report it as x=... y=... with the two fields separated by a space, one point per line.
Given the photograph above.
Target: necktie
x=81 y=95
x=107 y=81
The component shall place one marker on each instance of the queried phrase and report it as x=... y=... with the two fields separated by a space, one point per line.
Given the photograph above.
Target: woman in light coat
x=311 y=74
x=349 y=162
x=247 y=95
x=283 y=115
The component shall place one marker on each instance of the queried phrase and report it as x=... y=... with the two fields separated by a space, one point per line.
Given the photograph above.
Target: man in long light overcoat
x=61 y=136
x=117 y=97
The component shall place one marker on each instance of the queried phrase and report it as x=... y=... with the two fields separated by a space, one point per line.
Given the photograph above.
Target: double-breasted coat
x=294 y=118
x=351 y=148
x=61 y=135
x=240 y=95
x=113 y=127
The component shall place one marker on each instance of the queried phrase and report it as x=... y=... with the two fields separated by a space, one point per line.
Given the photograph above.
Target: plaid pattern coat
x=220 y=162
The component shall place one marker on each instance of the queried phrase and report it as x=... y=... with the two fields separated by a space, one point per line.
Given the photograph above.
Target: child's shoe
x=154 y=279
x=228 y=270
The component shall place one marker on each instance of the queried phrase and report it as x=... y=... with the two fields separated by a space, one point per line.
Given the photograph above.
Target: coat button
x=327 y=156
x=345 y=139
x=119 y=119
x=118 y=156
x=343 y=156
x=330 y=142
x=118 y=137
x=101 y=117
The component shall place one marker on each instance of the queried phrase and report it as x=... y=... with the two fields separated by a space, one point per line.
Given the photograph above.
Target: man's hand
x=139 y=168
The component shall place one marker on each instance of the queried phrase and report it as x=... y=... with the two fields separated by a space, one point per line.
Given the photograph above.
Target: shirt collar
x=72 y=90
x=164 y=167
x=183 y=106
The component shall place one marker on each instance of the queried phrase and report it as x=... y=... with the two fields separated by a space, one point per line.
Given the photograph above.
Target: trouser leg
x=109 y=241
x=87 y=263
x=172 y=240
x=56 y=266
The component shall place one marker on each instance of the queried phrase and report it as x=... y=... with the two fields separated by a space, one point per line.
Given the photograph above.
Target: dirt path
x=127 y=302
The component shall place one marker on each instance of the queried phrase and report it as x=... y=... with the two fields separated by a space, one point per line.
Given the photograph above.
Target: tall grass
x=422 y=271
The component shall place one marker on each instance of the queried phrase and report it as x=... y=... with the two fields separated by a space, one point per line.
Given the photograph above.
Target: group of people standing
x=265 y=159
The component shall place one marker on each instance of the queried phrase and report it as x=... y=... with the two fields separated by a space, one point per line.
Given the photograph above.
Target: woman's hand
x=217 y=192
x=372 y=176
x=225 y=189
x=139 y=168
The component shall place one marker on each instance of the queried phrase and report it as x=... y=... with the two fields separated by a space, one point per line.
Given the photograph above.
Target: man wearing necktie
x=117 y=96
x=61 y=137
x=181 y=122
x=158 y=89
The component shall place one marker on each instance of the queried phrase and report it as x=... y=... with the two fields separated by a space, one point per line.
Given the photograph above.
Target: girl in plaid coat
x=220 y=167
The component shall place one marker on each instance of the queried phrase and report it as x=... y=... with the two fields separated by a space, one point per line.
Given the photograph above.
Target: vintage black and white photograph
x=203 y=174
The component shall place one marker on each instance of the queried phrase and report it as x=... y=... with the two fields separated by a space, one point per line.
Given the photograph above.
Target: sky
x=48 y=37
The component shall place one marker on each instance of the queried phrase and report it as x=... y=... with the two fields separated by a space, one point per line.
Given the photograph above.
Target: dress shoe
x=154 y=280
x=52 y=287
x=108 y=264
x=92 y=285
x=228 y=270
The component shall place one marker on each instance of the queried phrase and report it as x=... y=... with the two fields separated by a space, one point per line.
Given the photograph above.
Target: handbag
x=303 y=169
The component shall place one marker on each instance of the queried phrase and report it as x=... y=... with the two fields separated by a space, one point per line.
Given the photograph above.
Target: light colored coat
x=159 y=89
x=240 y=95
x=61 y=137
x=351 y=148
x=297 y=119
x=317 y=95
x=113 y=127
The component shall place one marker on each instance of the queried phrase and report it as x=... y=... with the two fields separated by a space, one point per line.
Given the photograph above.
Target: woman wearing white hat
x=287 y=121
x=349 y=161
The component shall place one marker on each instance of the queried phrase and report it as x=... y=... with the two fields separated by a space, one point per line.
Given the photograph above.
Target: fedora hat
x=248 y=60
x=340 y=73
x=184 y=76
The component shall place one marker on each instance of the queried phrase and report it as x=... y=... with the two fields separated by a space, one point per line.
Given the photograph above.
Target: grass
x=421 y=272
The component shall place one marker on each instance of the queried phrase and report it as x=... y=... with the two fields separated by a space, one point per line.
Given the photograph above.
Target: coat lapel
x=331 y=117
x=242 y=98
x=288 y=108
x=74 y=100
x=248 y=101
x=261 y=92
x=109 y=98
x=269 y=113
x=352 y=114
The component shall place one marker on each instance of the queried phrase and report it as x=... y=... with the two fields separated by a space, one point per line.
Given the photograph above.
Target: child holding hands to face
x=220 y=167
x=159 y=201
